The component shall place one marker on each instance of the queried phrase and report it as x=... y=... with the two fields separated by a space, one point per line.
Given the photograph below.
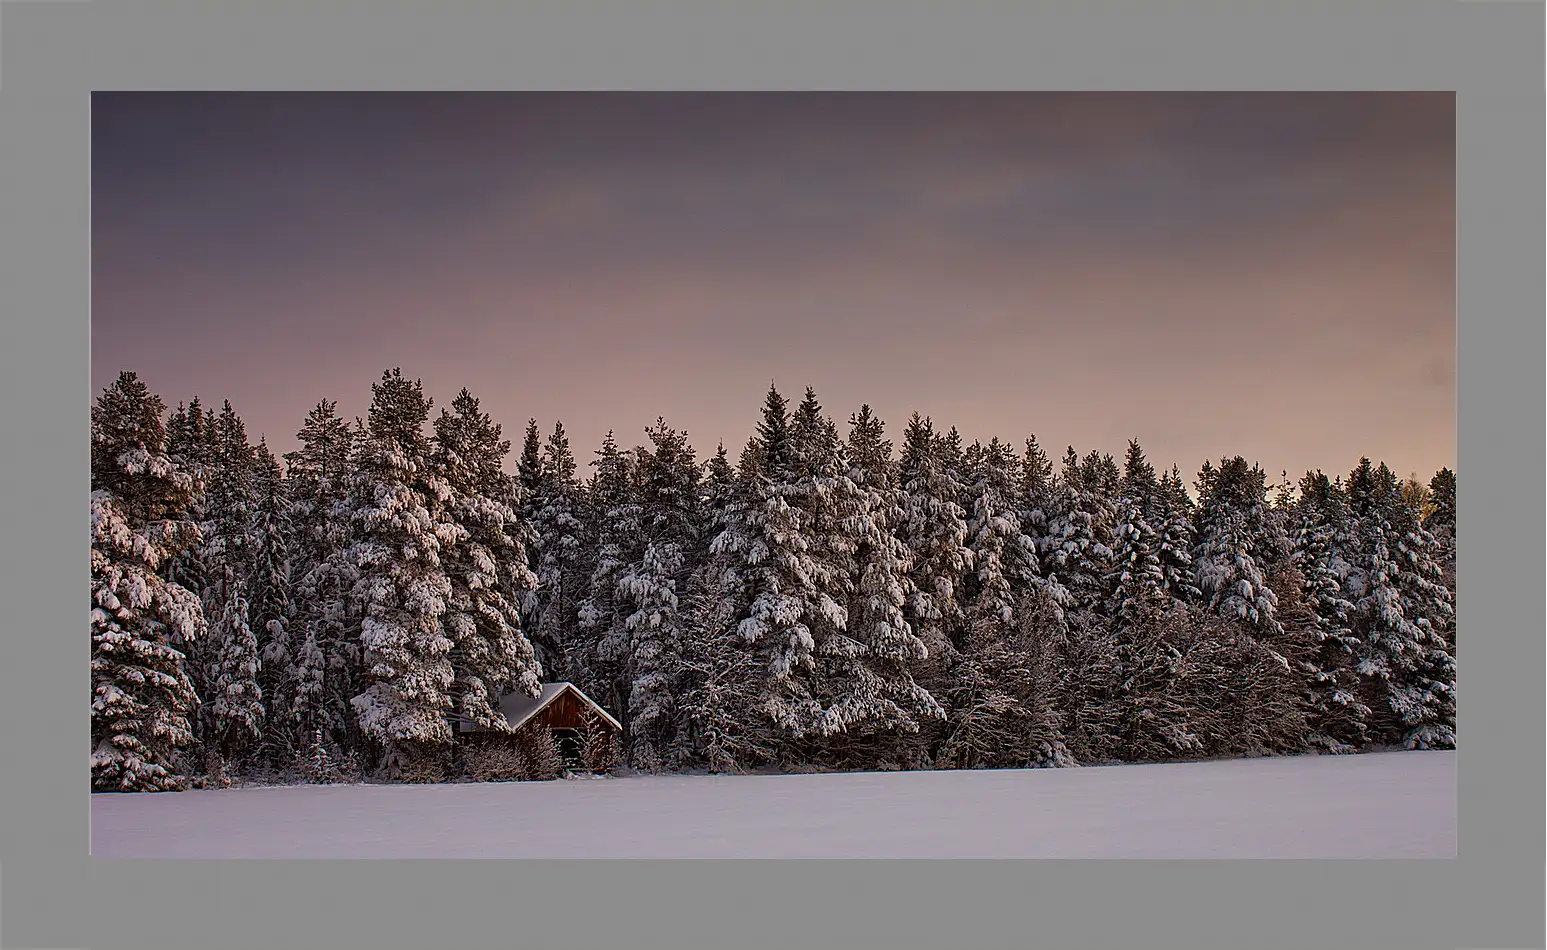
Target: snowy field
x=1388 y=805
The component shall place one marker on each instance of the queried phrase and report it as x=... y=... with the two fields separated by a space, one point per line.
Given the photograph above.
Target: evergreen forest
x=826 y=597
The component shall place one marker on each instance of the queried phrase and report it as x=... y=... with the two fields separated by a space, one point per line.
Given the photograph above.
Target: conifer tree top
x=399 y=409
x=530 y=467
x=773 y=434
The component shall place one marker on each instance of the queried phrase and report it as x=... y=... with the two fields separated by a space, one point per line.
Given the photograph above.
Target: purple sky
x=1263 y=274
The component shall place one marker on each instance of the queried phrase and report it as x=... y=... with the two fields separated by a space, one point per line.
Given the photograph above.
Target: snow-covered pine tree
x=1161 y=679
x=1428 y=603
x=1232 y=548
x=531 y=476
x=670 y=521
x=1137 y=576
x=235 y=701
x=751 y=462
x=1139 y=482
x=486 y=565
x=184 y=428
x=710 y=603
x=1441 y=509
x=718 y=488
x=870 y=453
x=720 y=722
x=142 y=698
x=830 y=510
x=308 y=696
x=1076 y=549
x=562 y=576
x=271 y=609
x=779 y=573
x=813 y=440
x=934 y=529
x=189 y=444
x=1439 y=519
x=722 y=725
x=230 y=504
x=1298 y=693
x=973 y=459
x=953 y=457
x=1414 y=494
x=769 y=553
x=613 y=518
x=529 y=468
x=1039 y=504
x=1207 y=475
x=1004 y=560
x=1038 y=490
x=1284 y=499
x=400 y=536
x=1324 y=552
x=1176 y=538
x=226 y=665
x=1104 y=479
x=1000 y=688
x=1276 y=529
x=875 y=707
x=1384 y=635
x=1407 y=668
x=1119 y=671
x=1244 y=546
x=325 y=630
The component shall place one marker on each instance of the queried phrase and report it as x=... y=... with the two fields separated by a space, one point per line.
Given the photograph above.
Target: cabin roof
x=518 y=709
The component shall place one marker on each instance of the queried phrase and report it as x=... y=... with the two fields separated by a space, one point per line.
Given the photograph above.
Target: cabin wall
x=567 y=712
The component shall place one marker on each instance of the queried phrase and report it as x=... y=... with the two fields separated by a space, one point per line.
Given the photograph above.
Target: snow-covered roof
x=518 y=708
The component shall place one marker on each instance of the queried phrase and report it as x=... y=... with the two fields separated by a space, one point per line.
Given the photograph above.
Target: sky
x=1263 y=274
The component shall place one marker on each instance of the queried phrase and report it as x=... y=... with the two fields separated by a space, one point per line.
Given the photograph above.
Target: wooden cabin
x=562 y=708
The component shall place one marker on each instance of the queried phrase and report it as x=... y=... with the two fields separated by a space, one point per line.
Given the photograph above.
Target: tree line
x=825 y=601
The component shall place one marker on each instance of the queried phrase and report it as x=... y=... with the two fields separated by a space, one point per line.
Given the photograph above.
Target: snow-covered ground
x=1388 y=805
